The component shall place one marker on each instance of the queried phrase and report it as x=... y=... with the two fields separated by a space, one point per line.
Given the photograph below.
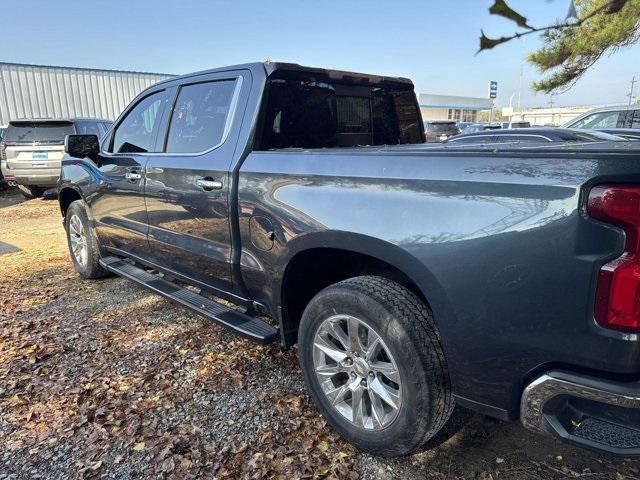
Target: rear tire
x=83 y=244
x=31 y=191
x=406 y=329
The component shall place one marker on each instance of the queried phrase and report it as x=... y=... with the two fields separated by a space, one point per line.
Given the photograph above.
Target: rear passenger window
x=635 y=120
x=137 y=132
x=200 y=116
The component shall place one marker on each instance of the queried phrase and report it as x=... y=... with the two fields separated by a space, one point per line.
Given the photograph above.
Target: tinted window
x=321 y=114
x=137 y=131
x=199 y=116
x=598 y=120
x=635 y=119
x=38 y=132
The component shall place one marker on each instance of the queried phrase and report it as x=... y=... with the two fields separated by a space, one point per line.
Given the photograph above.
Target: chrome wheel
x=78 y=240
x=356 y=372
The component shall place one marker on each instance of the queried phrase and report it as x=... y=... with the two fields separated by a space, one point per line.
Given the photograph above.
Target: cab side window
x=200 y=116
x=137 y=131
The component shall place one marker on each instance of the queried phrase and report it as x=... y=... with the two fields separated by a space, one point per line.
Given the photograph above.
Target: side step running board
x=245 y=325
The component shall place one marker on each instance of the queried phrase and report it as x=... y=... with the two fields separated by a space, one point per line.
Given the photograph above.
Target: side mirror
x=81 y=146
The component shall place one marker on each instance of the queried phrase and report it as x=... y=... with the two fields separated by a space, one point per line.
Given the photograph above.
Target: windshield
x=38 y=132
x=442 y=128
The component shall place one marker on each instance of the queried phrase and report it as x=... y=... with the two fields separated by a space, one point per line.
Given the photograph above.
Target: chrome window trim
x=227 y=126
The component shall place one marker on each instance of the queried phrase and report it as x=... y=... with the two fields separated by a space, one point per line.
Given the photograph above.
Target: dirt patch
x=104 y=379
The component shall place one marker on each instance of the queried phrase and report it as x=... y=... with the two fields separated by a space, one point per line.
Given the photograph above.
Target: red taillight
x=617 y=302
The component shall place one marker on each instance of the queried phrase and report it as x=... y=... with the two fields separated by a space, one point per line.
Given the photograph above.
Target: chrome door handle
x=209 y=184
x=132 y=176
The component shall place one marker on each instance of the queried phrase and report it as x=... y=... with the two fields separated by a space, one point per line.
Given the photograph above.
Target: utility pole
x=520 y=85
x=630 y=94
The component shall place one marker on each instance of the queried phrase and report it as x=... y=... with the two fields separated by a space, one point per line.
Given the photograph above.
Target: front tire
x=372 y=360
x=83 y=245
x=31 y=191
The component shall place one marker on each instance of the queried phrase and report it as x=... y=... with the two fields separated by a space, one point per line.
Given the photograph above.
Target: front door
x=118 y=206
x=187 y=190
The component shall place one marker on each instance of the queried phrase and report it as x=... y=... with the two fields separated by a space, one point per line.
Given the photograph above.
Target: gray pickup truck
x=412 y=278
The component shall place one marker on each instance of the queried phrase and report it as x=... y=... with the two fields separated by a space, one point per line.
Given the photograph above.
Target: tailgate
x=34 y=156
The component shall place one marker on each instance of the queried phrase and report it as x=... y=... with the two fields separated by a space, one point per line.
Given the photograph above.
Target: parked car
x=534 y=135
x=32 y=150
x=608 y=117
x=632 y=134
x=413 y=278
x=440 y=130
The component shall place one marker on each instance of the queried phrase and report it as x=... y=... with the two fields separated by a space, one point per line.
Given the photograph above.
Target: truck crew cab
x=412 y=277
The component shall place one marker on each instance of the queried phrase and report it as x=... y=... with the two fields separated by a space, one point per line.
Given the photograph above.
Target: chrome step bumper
x=585 y=411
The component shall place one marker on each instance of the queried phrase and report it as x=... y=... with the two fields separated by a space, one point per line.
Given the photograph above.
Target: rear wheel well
x=313 y=270
x=66 y=197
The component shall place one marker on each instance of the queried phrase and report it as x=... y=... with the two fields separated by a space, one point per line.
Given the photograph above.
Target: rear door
x=187 y=191
x=118 y=205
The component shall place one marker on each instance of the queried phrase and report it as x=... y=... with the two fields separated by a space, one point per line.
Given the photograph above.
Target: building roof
x=430 y=100
x=87 y=69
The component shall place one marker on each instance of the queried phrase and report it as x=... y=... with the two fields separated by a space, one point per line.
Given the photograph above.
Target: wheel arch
x=348 y=255
x=66 y=196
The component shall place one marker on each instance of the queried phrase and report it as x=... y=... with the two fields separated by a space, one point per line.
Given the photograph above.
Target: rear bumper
x=585 y=411
x=40 y=177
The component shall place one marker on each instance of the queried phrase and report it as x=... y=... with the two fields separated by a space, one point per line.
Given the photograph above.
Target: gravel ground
x=106 y=380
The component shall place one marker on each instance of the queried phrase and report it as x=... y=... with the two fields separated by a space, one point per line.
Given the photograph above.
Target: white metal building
x=450 y=107
x=39 y=91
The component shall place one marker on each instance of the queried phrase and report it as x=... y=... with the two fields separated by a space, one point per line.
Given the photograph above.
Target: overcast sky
x=431 y=42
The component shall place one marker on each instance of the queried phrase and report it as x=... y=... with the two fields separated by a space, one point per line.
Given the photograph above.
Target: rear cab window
x=304 y=111
x=25 y=132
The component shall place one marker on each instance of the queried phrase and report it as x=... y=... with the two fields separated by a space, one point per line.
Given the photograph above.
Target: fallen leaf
x=139 y=446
